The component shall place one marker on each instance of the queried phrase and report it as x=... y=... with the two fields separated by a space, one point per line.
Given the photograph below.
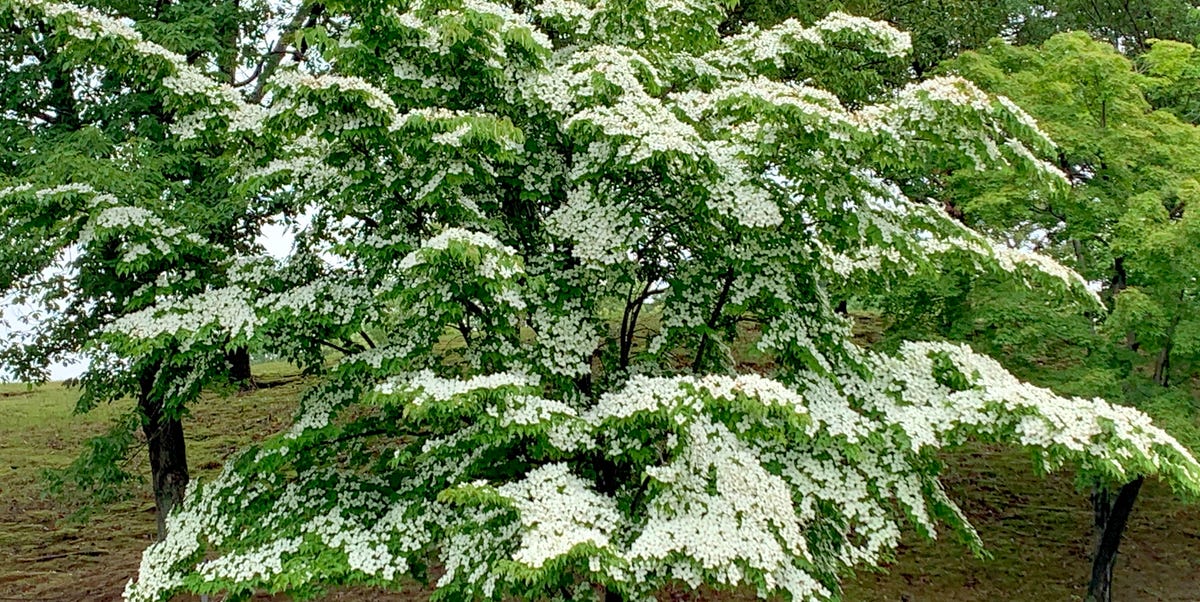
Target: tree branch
x=304 y=17
x=335 y=346
x=722 y=299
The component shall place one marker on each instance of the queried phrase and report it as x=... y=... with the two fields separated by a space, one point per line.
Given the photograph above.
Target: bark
x=1111 y=517
x=165 y=443
x=228 y=56
x=239 y=368
x=629 y=321
x=1162 y=364
x=1119 y=280
x=305 y=16
x=1080 y=258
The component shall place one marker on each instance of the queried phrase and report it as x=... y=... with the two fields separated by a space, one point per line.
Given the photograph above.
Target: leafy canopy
x=546 y=225
x=1129 y=221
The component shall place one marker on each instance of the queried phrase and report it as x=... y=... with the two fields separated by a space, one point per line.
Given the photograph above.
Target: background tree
x=1174 y=78
x=941 y=29
x=107 y=211
x=1124 y=226
x=1129 y=25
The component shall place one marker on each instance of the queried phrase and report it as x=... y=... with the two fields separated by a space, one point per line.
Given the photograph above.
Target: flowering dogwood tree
x=548 y=222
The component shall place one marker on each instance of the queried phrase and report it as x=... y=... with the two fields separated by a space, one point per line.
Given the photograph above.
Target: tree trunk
x=168 y=456
x=1162 y=367
x=239 y=368
x=1162 y=364
x=1118 y=282
x=1111 y=516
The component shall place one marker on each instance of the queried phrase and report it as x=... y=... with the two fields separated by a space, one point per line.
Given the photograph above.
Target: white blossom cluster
x=776 y=44
x=567 y=15
x=306 y=167
x=933 y=415
x=374 y=544
x=317 y=407
x=185 y=81
x=264 y=561
x=333 y=298
x=228 y=310
x=1021 y=262
x=737 y=194
x=509 y=19
x=558 y=511
x=672 y=394
x=201 y=519
x=566 y=339
x=469 y=554
x=292 y=80
x=602 y=230
x=880 y=37
x=141 y=231
x=1010 y=259
x=496 y=263
x=531 y=410
x=748 y=524
x=426 y=386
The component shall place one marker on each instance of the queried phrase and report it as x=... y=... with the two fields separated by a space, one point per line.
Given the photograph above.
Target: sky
x=276 y=239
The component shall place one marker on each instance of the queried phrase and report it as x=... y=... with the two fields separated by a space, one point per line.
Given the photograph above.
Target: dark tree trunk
x=1111 y=517
x=1162 y=367
x=1118 y=282
x=168 y=456
x=239 y=368
x=1162 y=364
x=713 y=320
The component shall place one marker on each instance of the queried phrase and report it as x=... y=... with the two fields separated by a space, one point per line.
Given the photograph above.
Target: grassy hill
x=1036 y=529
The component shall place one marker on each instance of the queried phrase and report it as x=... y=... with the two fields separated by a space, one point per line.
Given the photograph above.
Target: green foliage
x=1174 y=69
x=106 y=210
x=943 y=29
x=1126 y=225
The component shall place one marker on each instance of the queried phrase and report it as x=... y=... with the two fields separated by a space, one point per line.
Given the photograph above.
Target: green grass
x=44 y=552
x=1036 y=529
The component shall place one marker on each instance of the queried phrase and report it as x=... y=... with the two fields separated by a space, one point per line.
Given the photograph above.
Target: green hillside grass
x=1036 y=529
